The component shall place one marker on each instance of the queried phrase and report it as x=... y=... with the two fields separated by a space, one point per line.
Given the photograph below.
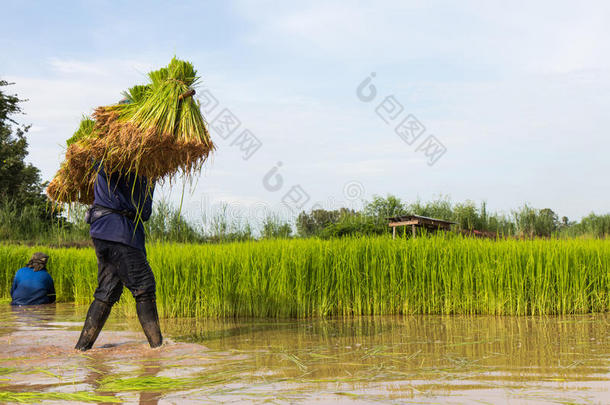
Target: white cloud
x=73 y=66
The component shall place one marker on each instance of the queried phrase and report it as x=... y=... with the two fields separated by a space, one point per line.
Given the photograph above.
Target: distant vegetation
x=20 y=224
x=523 y=222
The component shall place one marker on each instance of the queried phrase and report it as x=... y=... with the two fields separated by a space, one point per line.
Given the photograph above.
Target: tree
x=440 y=208
x=354 y=224
x=274 y=227
x=595 y=225
x=19 y=181
x=548 y=222
x=467 y=216
x=314 y=222
x=381 y=208
x=532 y=222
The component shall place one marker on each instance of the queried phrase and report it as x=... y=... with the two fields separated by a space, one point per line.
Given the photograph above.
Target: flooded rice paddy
x=417 y=359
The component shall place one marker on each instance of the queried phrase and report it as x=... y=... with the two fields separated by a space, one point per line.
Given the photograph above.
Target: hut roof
x=411 y=217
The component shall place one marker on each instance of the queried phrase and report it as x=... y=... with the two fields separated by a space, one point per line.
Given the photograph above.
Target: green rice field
x=304 y=278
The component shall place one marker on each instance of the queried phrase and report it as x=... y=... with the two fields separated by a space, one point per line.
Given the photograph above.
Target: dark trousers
x=121 y=265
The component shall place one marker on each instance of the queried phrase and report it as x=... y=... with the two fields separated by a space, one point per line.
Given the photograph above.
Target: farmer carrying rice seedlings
x=121 y=203
x=113 y=160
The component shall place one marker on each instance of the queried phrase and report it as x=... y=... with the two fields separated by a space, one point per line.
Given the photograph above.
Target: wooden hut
x=418 y=221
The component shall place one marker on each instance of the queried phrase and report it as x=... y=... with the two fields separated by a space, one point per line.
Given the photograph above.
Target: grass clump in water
x=7 y=370
x=149 y=383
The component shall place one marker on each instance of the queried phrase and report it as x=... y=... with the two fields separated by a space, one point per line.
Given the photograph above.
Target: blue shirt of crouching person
x=32 y=284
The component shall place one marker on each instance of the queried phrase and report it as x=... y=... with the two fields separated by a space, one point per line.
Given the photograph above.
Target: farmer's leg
x=136 y=274
x=108 y=292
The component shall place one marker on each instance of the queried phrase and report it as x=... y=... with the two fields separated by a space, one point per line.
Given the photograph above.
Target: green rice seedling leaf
x=149 y=383
x=85 y=130
x=7 y=370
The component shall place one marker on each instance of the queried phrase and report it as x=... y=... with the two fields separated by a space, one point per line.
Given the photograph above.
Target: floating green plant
x=148 y=383
x=7 y=370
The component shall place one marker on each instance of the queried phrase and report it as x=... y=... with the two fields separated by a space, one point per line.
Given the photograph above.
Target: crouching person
x=32 y=284
x=121 y=203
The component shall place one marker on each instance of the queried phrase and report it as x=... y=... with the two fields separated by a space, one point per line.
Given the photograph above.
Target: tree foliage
x=314 y=222
x=274 y=228
x=20 y=182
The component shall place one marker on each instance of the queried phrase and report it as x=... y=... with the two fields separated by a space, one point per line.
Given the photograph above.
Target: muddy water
x=422 y=359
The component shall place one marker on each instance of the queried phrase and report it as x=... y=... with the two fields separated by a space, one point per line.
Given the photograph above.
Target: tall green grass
x=354 y=276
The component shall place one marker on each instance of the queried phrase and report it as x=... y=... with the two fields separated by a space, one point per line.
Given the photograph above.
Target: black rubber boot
x=96 y=318
x=149 y=319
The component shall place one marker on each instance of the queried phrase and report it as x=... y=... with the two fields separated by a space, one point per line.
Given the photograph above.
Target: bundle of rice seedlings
x=74 y=180
x=157 y=131
x=85 y=131
x=67 y=187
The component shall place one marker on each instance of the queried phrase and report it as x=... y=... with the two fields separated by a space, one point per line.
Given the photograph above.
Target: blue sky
x=517 y=94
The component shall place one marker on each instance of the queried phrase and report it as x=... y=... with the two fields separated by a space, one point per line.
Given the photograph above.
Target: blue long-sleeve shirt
x=123 y=193
x=32 y=287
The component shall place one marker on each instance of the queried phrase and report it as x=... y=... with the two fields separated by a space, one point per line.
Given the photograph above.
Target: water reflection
x=150 y=368
x=493 y=348
x=30 y=317
x=33 y=316
x=96 y=370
